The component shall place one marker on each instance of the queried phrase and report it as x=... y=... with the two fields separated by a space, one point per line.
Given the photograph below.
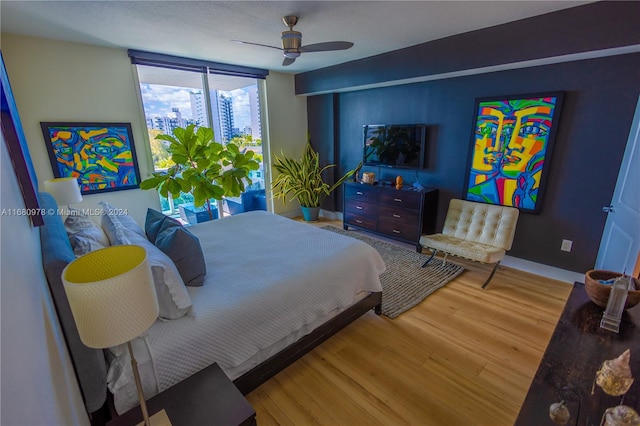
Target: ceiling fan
x=292 y=40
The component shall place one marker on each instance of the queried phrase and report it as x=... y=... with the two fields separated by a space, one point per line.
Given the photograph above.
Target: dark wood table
x=576 y=351
x=206 y=398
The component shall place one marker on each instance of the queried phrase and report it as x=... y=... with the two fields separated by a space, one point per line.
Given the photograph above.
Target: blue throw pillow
x=184 y=249
x=155 y=221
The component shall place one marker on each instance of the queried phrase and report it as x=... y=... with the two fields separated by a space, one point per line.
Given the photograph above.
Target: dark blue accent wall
x=600 y=99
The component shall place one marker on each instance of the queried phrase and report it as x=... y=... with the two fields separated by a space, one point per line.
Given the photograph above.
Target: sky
x=158 y=101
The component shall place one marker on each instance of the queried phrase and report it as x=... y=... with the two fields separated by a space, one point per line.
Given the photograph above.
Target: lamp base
x=158 y=419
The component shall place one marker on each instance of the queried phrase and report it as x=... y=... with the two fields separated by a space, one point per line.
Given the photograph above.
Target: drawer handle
x=398 y=200
x=358 y=221
x=396 y=215
x=395 y=231
x=359 y=193
x=359 y=207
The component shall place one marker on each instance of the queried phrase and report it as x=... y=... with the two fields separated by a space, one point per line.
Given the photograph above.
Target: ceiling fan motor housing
x=291 y=42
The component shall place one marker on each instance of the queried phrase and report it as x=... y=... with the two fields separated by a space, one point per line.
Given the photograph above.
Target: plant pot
x=195 y=215
x=310 y=214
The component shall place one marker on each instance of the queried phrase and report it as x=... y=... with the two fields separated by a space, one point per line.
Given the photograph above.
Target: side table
x=206 y=398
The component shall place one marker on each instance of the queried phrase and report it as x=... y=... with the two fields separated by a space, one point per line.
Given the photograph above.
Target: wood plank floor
x=464 y=356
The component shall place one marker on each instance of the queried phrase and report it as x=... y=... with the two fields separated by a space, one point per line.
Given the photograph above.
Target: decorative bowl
x=599 y=293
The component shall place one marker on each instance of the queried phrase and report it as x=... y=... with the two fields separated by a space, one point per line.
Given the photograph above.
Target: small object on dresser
x=614 y=376
x=616 y=304
x=417 y=186
x=559 y=413
x=369 y=177
x=598 y=292
x=399 y=182
x=622 y=415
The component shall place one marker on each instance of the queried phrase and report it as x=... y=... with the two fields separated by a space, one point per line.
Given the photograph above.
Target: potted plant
x=202 y=167
x=302 y=179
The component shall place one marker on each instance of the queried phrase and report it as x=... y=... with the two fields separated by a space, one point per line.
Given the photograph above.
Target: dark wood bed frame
x=278 y=362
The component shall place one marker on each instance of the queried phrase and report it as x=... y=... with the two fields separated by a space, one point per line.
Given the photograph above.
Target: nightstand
x=206 y=398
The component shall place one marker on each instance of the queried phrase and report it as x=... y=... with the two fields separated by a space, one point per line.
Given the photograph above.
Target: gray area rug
x=405 y=284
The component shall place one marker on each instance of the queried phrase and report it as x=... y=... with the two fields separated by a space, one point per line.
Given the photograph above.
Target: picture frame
x=101 y=156
x=512 y=141
x=16 y=143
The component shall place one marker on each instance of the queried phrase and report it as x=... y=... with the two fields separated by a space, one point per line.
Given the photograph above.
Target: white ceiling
x=204 y=29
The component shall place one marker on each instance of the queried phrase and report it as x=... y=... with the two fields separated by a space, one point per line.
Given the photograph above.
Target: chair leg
x=491 y=275
x=429 y=259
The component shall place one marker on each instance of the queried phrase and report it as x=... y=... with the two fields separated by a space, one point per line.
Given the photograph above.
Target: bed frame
x=90 y=365
x=278 y=362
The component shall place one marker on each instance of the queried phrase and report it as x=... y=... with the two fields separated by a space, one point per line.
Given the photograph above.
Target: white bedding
x=270 y=280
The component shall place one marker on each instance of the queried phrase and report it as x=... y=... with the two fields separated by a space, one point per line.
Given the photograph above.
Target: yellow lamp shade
x=111 y=294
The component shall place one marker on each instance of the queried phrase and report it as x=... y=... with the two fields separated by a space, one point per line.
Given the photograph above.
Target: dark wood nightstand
x=206 y=398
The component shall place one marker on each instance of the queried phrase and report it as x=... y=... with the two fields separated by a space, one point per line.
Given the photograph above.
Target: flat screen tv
x=394 y=145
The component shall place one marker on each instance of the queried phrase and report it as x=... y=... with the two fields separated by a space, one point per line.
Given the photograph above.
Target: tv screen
x=395 y=145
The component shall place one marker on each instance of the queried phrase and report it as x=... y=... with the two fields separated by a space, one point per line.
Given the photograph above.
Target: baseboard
x=543 y=270
x=328 y=214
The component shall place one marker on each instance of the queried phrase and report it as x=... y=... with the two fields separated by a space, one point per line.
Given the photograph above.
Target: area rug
x=405 y=284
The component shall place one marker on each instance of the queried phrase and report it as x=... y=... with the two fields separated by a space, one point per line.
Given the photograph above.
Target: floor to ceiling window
x=179 y=95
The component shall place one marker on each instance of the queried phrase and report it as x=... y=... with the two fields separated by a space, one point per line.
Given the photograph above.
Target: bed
x=275 y=288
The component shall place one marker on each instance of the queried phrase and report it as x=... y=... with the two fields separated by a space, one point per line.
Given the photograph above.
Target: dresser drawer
x=361 y=208
x=360 y=221
x=397 y=214
x=399 y=230
x=361 y=192
x=405 y=199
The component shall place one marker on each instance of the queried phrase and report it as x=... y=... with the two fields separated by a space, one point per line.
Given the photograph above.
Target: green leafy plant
x=202 y=167
x=302 y=179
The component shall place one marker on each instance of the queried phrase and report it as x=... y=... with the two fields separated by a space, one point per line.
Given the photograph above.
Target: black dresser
x=402 y=214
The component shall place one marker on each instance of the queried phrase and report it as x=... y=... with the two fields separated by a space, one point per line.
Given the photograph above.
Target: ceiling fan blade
x=326 y=46
x=288 y=61
x=257 y=44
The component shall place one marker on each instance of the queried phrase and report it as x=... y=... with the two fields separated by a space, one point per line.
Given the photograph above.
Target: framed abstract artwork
x=101 y=156
x=512 y=143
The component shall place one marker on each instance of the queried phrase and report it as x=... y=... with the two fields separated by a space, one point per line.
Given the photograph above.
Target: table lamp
x=64 y=190
x=113 y=300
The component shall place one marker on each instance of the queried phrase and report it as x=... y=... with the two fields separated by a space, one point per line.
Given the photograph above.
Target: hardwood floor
x=464 y=356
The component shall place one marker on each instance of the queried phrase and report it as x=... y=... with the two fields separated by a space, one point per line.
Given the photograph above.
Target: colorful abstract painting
x=100 y=155
x=512 y=144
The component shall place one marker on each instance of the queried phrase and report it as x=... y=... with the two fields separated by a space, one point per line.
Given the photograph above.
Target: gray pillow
x=184 y=249
x=156 y=220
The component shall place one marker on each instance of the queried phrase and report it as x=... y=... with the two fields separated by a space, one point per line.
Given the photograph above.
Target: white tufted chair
x=476 y=231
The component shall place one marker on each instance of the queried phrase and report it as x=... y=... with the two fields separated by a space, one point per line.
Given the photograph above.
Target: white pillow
x=120 y=216
x=84 y=234
x=173 y=299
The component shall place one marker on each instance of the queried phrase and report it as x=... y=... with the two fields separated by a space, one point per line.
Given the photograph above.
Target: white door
x=621 y=237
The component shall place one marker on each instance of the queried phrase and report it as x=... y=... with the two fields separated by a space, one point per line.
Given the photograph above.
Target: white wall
x=286 y=122
x=37 y=385
x=59 y=81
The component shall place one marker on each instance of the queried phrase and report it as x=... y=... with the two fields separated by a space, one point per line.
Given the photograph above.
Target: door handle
x=608 y=209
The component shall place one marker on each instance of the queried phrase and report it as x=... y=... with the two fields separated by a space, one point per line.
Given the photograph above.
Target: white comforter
x=270 y=280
